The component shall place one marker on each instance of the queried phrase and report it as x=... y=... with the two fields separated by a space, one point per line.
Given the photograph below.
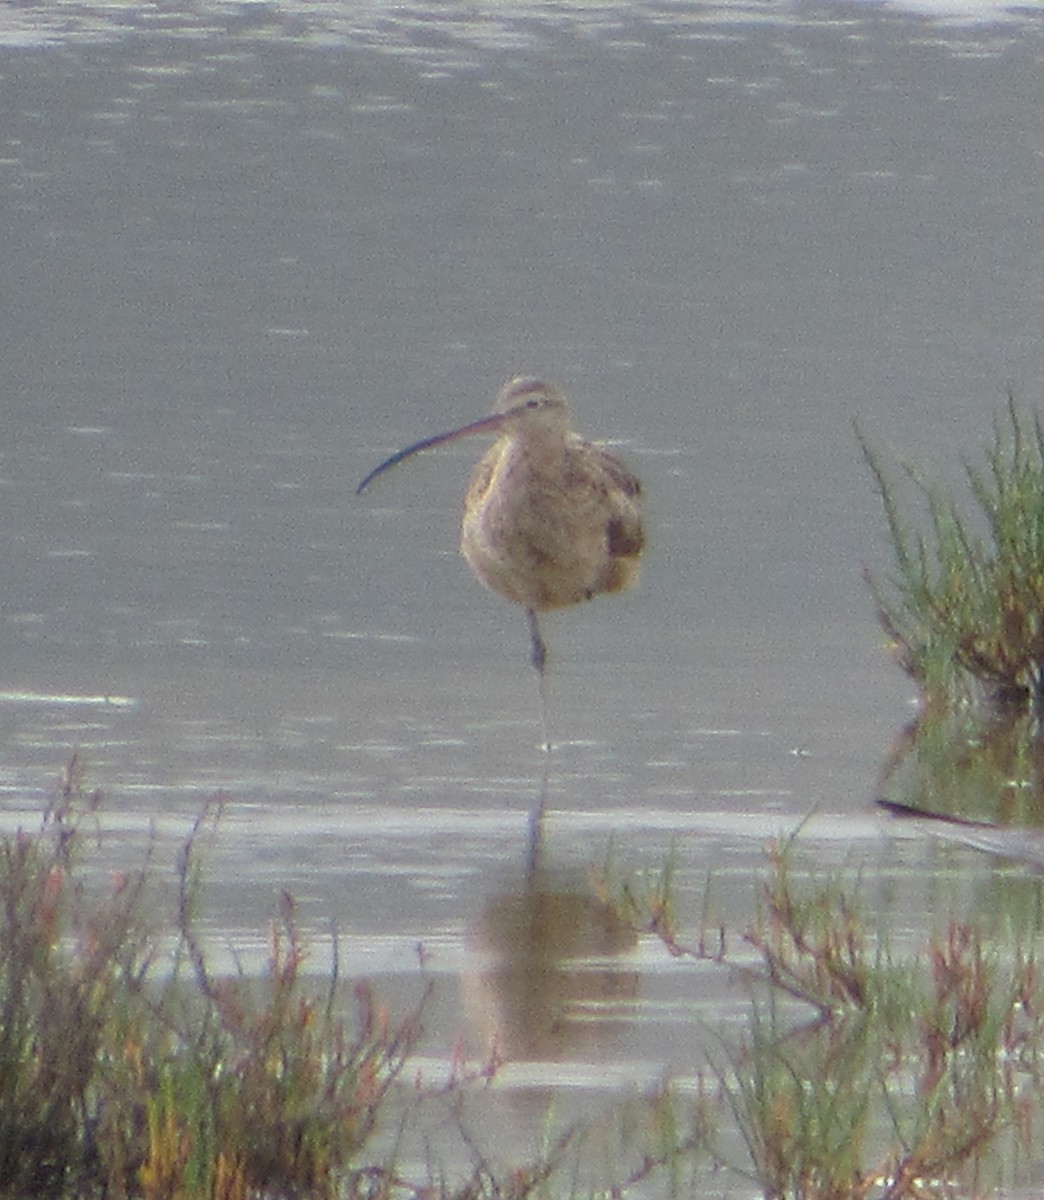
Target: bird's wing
x=627 y=482
x=625 y=537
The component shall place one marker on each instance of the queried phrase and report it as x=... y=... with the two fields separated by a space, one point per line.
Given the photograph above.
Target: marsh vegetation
x=867 y=1065
x=964 y=607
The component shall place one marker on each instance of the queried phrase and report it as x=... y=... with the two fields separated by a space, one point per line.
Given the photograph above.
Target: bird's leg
x=539 y=661
x=536 y=817
x=539 y=652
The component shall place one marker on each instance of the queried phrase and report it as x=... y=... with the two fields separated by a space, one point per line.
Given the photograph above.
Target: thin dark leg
x=540 y=663
x=536 y=817
x=539 y=652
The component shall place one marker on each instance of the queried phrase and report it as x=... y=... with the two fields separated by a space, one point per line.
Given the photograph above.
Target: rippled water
x=254 y=248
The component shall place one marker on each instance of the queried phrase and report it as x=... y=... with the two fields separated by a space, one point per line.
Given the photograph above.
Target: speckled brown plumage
x=549 y=519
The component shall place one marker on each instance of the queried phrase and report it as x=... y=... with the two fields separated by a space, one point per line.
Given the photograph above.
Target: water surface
x=253 y=249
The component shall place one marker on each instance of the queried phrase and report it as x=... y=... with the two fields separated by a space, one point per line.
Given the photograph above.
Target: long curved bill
x=490 y=424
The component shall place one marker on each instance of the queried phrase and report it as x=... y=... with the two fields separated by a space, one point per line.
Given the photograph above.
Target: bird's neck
x=540 y=452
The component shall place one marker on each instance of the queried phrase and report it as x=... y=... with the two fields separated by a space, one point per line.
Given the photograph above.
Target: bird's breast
x=550 y=529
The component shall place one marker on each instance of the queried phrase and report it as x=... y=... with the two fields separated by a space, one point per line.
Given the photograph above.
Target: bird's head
x=524 y=406
x=527 y=403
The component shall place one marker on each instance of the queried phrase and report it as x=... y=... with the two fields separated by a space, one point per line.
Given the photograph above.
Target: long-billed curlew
x=549 y=518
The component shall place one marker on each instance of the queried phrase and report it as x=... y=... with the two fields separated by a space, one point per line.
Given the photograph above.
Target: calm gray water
x=252 y=249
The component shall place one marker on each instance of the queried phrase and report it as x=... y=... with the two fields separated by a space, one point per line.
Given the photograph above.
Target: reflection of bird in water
x=549 y=980
x=549 y=518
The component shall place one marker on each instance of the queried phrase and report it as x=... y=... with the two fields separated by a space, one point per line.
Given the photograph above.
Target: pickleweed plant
x=126 y=1072
x=964 y=606
x=875 y=1062
x=132 y=1069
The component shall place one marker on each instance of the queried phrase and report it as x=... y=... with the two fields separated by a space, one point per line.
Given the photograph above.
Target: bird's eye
x=534 y=403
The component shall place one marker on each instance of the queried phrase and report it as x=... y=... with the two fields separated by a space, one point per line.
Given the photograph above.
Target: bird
x=549 y=519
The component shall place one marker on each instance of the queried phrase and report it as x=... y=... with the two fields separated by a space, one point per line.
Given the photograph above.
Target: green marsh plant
x=964 y=606
x=871 y=1067
x=128 y=1072
x=917 y=1072
x=131 y=1070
